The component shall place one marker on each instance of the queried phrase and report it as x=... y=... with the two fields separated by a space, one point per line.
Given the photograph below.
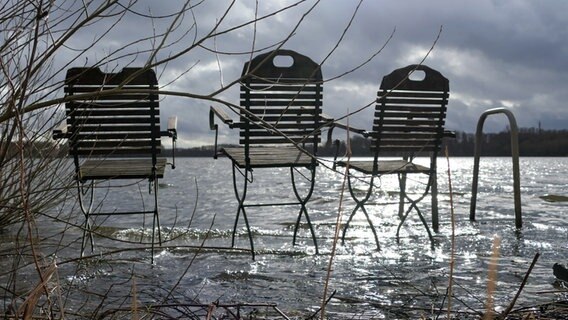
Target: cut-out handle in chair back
x=410 y=114
x=281 y=99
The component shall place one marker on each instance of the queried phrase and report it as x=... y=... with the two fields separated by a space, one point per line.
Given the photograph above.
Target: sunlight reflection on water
x=403 y=273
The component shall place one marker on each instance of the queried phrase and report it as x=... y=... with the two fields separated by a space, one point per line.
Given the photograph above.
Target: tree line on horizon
x=533 y=142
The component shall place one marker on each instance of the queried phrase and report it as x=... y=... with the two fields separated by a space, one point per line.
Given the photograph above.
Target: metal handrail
x=515 y=157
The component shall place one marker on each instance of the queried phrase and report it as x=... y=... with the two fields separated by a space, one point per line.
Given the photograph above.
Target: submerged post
x=515 y=158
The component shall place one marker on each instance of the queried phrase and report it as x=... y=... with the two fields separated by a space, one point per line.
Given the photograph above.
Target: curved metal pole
x=515 y=158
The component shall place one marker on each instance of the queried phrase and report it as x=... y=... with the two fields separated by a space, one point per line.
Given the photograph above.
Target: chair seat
x=120 y=169
x=386 y=166
x=269 y=157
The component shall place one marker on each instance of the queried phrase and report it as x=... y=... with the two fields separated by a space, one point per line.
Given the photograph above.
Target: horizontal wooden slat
x=107 y=152
x=114 y=113
x=281 y=80
x=386 y=166
x=94 y=129
x=311 y=104
x=405 y=149
x=285 y=110
x=281 y=125
x=114 y=136
x=120 y=169
x=421 y=94
x=262 y=133
x=279 y=140
x=402 y=114
x=407 y=135
x=115 y=144
x=308 y=87
x=419 y=102
x=122 y=95
x=97 y=105
x=403 y=129
x=284 y=118
x=410 y=108
x=406 y=122
x=280 y=96
x=267 y=157
x=115 y=120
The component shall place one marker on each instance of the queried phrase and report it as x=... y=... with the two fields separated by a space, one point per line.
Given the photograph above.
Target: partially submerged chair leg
x=156 y=219
x=360 y=204
x=302 y=201
x=414 y=205
x=241 y=199
x=86 y=212
x=402 y=191
x=434 y=195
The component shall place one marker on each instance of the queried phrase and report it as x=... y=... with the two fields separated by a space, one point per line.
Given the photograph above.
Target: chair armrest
x=172 y=133
x=449 y=134
x=172 y=128
x=60 y=132
x=332 y=124
x=221 y=115
x=213 y=126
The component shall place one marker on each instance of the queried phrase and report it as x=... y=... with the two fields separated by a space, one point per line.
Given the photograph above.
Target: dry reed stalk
x=492 y=278
x=27 y=308
x=453 y=238
x=134 y=305
x=337 y=224
x=210 y=310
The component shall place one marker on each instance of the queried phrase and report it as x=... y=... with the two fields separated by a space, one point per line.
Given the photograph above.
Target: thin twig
x=506 y=312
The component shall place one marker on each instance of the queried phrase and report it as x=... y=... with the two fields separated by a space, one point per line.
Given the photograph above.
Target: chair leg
x=241 y=199
x=402 y=192
x=86 y=212
x=303 y=209
x=414 y=205
x=155 y=222
x=434 y=194
x=360 y=204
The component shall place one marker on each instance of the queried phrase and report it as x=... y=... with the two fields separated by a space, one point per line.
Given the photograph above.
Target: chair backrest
x=410 y=112
x=285 y=97
x=122 y=123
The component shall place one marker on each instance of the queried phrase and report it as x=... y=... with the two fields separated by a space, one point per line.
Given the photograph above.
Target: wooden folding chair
x=409 y=121
x=279 y=127
x=113 y=132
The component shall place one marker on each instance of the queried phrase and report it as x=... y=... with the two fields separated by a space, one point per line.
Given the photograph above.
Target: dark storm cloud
x=495 y=54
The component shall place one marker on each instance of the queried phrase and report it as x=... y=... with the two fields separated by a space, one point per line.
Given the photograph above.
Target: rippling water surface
x=198 y=208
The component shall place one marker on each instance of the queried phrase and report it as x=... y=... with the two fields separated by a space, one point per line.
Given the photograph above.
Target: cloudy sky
x=495 y=53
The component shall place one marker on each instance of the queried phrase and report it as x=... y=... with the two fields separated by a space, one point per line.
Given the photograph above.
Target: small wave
x=554 y=198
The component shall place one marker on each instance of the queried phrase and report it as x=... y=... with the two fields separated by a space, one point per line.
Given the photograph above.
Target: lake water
x=198 y=208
